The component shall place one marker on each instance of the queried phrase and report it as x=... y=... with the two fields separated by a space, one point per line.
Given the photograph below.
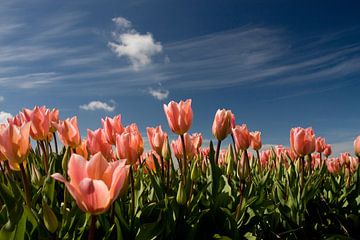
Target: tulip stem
x=92 y=230
x=162 y=168
x=302 y=172
x=132 y=191
x=258 y=157
x=234 y=145
x=45 y=156
x=217 y=152
x=26 y=185
x=56 y=145
x=247 y=163
x=184 y=156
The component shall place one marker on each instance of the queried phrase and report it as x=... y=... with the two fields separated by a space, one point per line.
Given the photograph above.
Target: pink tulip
x=197 y=141
x=96 y=142
x=357 y=146
x=54 y=119
x=255 y=140
x=129 y=144
x=156 y=138
x=344 y=158
x=149 y=158
x=15 y=142
x=112 y=127
x=333 y=165
x=68 y=132
x=18 y=119
x=327 y=150
x=40 y=122
x=95 y=184
x=320 y=144
x=190 y=147
x=302 y=141
x=265 y=157
x=354 y=163
x=179 y=116
x=242 y=137
x=222 y=124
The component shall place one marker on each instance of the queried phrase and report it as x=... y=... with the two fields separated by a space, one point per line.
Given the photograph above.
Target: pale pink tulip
x=129 y=144
x=40 y=122
x=54 y=119
x=15 y=142
x=68 y=132
x=222 y=124
x=179 y=116
x=96 y=142
x=242 y=137
x=156 y=138
x=255 y=140
x=320 y=144
x=302 y=141
x=112 y=127
x=95 y=184
x=357 y=146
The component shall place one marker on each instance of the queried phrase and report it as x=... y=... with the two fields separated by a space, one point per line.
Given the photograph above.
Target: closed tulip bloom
x=333 y=165
x=40 y=122
x=68 y=132
x=112 y=127
x=54 y=119
x=357 y=146
x=15 y=142
x=302 y=141
x=222 y=124
x=130 y=145
x=156 y=138
x=96 y=142
x=242 y=137
x=265 y=157
x=320 y=144
x=18 y=119
x=255 y=140
x=197 y=140
x=327 y=150
x=190 y=149
x=354 y=164
x=179 y=116
x=95 y=184
x=344 y=158
x=149 y=158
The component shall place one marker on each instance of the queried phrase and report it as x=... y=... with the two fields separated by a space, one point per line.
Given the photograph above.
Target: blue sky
x=275 y=64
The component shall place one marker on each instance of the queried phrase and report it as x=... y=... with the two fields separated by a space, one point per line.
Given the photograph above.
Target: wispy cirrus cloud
x=159 y=94
x=97 y=105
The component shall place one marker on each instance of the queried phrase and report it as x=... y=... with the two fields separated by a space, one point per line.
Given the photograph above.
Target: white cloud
x=159 y=94
x=97 y=105
x=138 y=48
x=2 y=98
x=4 y=116
x=122 y=22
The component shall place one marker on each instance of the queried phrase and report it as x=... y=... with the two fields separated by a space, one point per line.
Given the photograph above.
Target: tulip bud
x=166 y=153
x=195 y=174
x=229 y=160
x=181 y=197
x=50 y=220
x=36 y=176
x=243 y=169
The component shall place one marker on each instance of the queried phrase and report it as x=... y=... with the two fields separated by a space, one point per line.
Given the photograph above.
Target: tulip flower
x=333 y=165
x=40 y=122
x=190 y=147
x=95 y=184
x=156 y=138
x=54 y=119
x=357 y=146
x=129 y=144
x=255 y=140
x=96 y=142
x=242 y=137
x=327 y=150
x=112 y=127
x=69 y=132
x=18 y=120
x=222 y=124
x=302 y=141
x=179 y=116
x=15 y=142
x=82 y=149
x=320 y=144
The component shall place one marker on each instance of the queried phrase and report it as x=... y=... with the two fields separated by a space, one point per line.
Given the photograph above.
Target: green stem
x=185 y=159
x=217 y=152
x=92 y=230
x=45 y=157
x=302 y=173
x=26 y=185
x=258 y=157
x=132 y=191
x=56 y=145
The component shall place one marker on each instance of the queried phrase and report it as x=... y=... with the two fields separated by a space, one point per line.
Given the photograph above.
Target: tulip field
x=55 y=185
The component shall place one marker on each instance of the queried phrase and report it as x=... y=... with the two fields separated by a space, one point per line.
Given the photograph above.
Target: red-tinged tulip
x=357 y=146
x=222 y=157
x=242 y=137
x=82 y=149
x=320 y=144
x=197 y=141
x=233 y=124
x=222 y=124
x=327 y=150
x=190 y=149
x=95 y=184
x=315 y=160
x=149 y=158
x=265 y=157
x=179 y=116
x=156 y=138
x=54 y=119
x=302 y=141
x=354 y=164
x=96 y=142
x=18 y=119
x=205 y=152
x=69 y=132
x=344 y=158
x=40 y=122
x=15 y=142
x=333 y=165
x=255 y=140
x=129 y=144
x=112 y=127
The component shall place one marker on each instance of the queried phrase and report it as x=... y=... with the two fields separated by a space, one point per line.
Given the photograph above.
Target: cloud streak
x=97 y=105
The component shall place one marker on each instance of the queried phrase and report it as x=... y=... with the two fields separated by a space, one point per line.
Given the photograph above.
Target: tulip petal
x=95 y=195
x=77 y=169
x=96 y=166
